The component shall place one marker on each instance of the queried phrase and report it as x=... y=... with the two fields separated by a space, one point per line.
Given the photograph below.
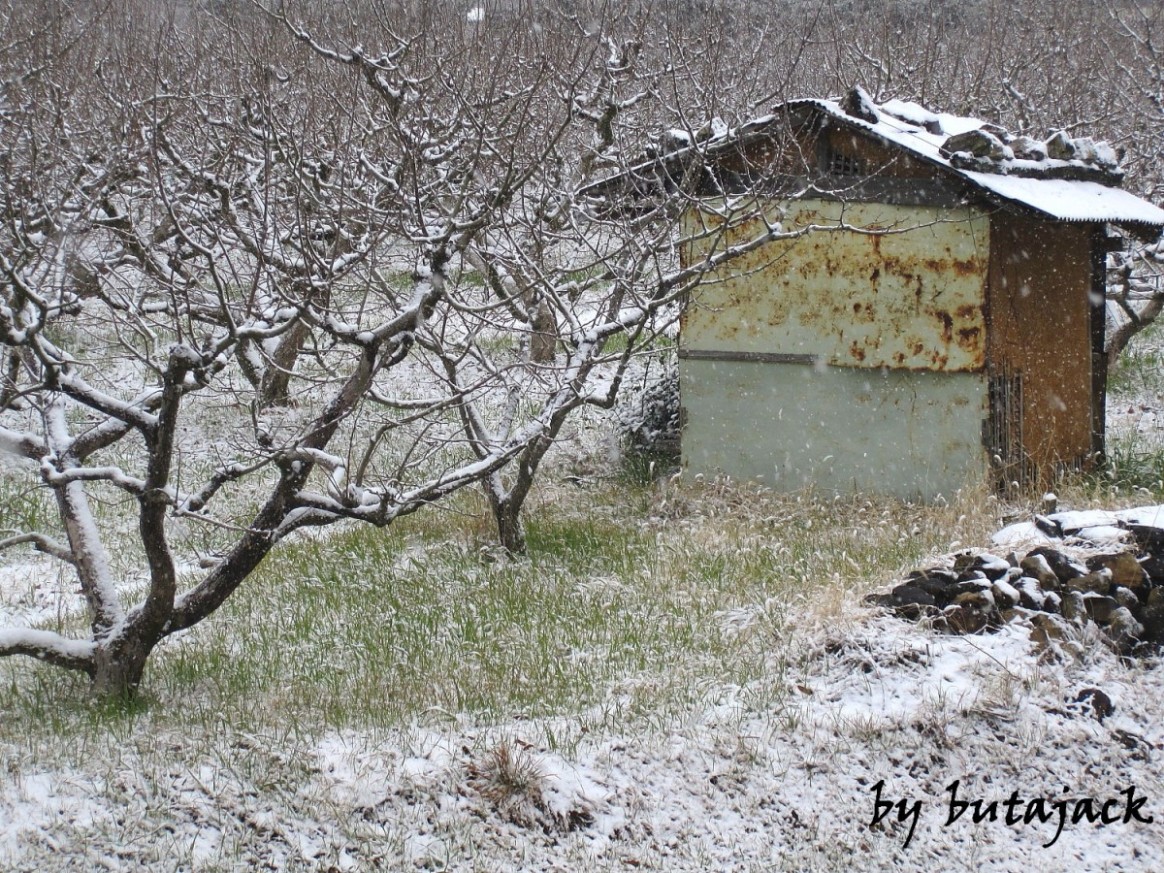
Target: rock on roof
x=1064 y=178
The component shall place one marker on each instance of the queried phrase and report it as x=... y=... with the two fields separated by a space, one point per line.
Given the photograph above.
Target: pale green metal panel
x=910 y=294
x=911 y=434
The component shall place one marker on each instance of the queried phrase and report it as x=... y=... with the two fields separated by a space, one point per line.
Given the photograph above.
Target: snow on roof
x=919 y=116
x=1040 y=187
x=1064 y=179
x=1071 y=201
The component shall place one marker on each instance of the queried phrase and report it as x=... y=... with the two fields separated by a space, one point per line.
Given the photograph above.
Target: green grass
x=1131 y=470
x=367 y=629
x=25 y=505
x=639 y=608
x=631 y=603
x=1134 y=463
x=639 y=468
x=1140 y=368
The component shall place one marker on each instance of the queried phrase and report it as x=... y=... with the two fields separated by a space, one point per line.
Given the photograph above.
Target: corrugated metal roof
x=1071 y=201
x=1035 y=185
x=1057 y=198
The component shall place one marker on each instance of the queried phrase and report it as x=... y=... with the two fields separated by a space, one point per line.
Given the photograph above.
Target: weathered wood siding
x=1039 y=323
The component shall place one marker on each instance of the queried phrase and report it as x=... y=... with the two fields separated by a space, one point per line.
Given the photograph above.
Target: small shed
x=935 y=318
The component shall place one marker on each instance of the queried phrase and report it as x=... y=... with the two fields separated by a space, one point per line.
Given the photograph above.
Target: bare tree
x=386 y=245
x=191 y=240
x=380 y=238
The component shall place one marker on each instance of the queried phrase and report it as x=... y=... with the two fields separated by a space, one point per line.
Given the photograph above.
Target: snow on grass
x=675 y=679
x=35 y=592
x=675 y=765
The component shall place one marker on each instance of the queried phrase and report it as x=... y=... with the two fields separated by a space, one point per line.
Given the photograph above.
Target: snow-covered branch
x=48 y=647
x=40 y=542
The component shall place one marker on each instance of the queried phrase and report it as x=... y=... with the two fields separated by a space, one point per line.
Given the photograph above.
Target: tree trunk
x=119 y=666
x=277 y=378
x=511 y=531
x=543 y=342
x=507 y=514
x=8 y=379
x=1137 y=321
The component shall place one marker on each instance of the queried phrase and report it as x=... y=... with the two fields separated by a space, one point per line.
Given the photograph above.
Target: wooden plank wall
x=1039 y=328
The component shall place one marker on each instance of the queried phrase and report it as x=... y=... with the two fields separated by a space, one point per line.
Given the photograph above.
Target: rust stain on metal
x=969 y=337
x=947 y=325
x=907 y=292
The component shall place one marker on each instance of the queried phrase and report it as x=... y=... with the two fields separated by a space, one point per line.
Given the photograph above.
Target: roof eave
x=1145 y=230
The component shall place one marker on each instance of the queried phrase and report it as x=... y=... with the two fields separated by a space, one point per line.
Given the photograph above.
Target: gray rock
x=1047 y=629
x=1064 y=568
x=1092 y=583
x=1100 y=608
x=1059 y=594
x=1152 y=616
x=1028 y=149
x=1125 y=569
x=1005 y=595
x=972 y=583
x=1030 y=594
x=1073 y=608
x=1125 y=597
x=937 y=582
x=977 y=599
x=1124 y=630
x=1085 y=149
x=991 y=566
x=933 y=574
x=963 y=561
x=907 y=600
x=979 y=143
x=859 y=104
x=1038 y=568
x=965 y=618
x=1049 y=526
x=1060 y=146
x=907 y=594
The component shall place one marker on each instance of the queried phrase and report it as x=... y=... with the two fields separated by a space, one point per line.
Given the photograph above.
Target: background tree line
x=359 y=233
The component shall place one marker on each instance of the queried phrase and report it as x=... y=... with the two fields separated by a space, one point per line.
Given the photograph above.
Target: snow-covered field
x=851 y=747
x=727 y=785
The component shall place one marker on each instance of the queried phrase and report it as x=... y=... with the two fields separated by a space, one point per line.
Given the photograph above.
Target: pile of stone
x=992 y=149
x=1060 y=585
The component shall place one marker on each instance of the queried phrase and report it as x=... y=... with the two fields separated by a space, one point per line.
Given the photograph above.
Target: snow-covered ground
x=728 y=785
x=853 y=751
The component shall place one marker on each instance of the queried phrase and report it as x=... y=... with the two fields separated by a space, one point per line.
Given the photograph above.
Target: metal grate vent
x=1004 y=438
x=845 y=165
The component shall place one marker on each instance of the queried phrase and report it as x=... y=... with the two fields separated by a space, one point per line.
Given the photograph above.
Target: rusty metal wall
x=835 y=429
x=906 y=291
x=845 y=360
